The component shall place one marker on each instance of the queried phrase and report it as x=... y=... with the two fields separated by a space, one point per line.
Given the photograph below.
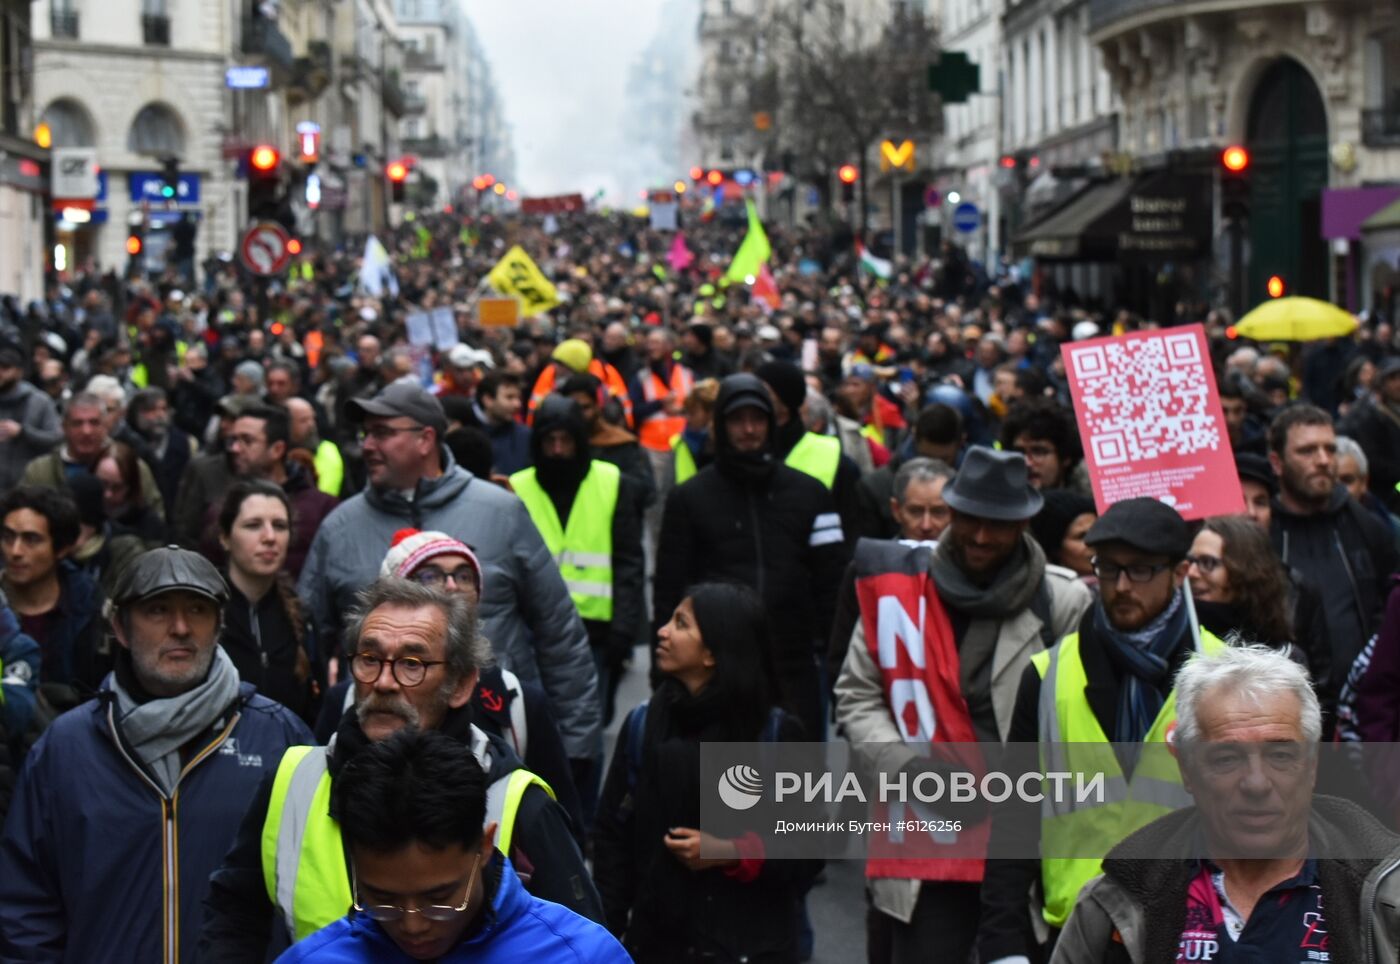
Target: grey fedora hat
x=993 y=485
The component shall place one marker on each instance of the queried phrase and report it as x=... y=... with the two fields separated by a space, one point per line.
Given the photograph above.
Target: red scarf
x=906 y=623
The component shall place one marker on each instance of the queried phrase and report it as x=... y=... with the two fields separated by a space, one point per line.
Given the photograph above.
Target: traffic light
x=133 y=244
x=397 y=172
x=264 y=168
x=170 y=178
x=1234 y=183
x=1275 y=286
x=848 y=175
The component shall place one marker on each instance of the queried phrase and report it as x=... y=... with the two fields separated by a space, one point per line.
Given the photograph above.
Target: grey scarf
x=158 y=728
x=1009 y=593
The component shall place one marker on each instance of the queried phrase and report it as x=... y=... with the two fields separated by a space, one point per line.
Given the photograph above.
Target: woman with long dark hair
x=119 y=472
x=1239 y=586
x=265 y=632
x=666 y=901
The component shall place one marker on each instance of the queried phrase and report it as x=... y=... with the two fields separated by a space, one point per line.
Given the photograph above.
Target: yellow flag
x=516 y=274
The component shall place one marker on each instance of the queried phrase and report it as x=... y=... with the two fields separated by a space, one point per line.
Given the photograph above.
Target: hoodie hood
x=736 y=392
x=560 y=477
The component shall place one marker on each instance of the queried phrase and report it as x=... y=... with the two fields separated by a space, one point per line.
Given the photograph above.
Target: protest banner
x=1150 y=420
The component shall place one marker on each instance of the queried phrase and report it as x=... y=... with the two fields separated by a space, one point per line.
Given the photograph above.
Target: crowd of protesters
x=300 y=590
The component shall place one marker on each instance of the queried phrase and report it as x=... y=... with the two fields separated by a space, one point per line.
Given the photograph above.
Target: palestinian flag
x=879 y=267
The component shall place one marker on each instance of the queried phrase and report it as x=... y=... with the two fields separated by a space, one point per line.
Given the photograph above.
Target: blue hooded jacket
x=96 y=864
x=19 y=675
x=522 y=928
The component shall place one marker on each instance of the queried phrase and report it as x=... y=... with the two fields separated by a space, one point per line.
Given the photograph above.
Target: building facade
x=137 y=82
x=24 y=165
x=1311 y=89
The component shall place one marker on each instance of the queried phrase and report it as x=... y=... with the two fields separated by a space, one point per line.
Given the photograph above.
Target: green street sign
x=954 y=77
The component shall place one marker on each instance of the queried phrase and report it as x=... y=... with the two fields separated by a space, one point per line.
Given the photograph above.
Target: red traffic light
x=696 y=173
x=1007 y=162
x=1235 y=159
x=715 y=178
x=294 y=246
x=488 y=179
x=397 y=171
x=1275 y=286
x=133 y=245
x=848 y=173
x=264 y=158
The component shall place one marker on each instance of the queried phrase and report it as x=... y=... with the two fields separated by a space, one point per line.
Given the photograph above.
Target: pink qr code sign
x=1151 y=423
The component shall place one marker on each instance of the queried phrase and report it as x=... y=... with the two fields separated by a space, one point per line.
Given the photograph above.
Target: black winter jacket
x=262 y=640
x=768 y=527
x=1377 y=430
x=663 y=912
x=1349 y=556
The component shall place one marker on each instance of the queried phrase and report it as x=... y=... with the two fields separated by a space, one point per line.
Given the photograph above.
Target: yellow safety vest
x=818 y=456
x=685 y=460
x=303 y=857
x=1071 y=740
x=583 y=550
x=330 y=468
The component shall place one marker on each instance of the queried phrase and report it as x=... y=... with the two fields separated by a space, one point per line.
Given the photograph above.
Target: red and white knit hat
x=411 y=548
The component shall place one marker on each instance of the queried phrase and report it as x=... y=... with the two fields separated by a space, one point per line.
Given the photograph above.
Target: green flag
x=753 y=253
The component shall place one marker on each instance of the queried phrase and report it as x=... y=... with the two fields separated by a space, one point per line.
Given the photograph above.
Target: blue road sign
x=967 y=217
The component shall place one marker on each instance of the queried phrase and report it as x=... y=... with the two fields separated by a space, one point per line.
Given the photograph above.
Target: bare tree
x=848 y=78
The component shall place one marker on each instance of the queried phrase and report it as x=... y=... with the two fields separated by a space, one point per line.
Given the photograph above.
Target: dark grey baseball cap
x=401 y=398
x=168 y=569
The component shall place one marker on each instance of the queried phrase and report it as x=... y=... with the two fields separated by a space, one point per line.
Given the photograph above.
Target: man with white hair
x=1261 y=868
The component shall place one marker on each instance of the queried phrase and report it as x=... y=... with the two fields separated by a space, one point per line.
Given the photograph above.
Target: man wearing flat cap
x=1111 y=682
x=127 y=804
x=987 y=601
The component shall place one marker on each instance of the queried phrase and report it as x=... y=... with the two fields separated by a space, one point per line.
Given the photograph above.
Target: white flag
x=376 y=270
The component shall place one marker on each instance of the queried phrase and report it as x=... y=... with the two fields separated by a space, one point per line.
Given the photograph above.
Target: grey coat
x=39 y=433
x=526 y=612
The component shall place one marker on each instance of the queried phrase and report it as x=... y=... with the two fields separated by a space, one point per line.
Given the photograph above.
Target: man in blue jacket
x=428 y=882
x=128 y=803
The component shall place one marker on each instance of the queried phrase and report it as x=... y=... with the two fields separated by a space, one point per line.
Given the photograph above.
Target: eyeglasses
x=1207 y=564
x=1037 y=452
x=382 y=433
x=408 y=670
x=1138 y=572
x=441 y=913
x=434 y=577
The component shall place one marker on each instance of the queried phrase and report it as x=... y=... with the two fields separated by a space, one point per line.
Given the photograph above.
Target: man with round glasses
x=415 y=654
x=428 y=880
x=526 y=610
x=1101 y=700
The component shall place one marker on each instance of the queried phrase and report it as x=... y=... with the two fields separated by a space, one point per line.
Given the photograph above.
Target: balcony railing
x=1380 y=126
x=64 y=24
x=414 y=103
x=721 y=24
x=430 y=146
x=415 y=59
x=155 y=29
x=392 y=94
x=261 y=38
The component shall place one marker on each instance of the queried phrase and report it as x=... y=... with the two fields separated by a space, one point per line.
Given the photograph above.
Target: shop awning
x=1077 y=231
x=1386 y=219
x=1346 y=210
x=1160 y=216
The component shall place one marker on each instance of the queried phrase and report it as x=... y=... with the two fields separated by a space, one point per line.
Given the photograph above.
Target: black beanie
x=1050 y=524
x=787 y=382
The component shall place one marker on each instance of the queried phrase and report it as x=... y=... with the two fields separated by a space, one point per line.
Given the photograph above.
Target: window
x=156 y=132
x=70 y=123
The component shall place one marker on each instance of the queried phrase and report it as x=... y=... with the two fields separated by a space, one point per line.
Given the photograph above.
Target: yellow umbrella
x=1296 y=319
